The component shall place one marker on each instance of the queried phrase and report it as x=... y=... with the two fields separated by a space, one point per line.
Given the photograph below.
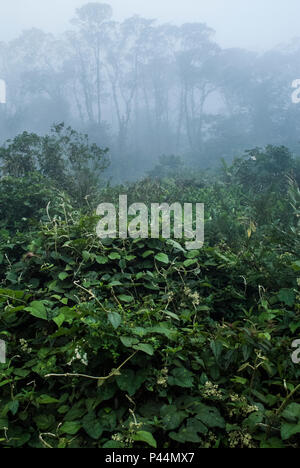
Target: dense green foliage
x=65 y=158
x=138 y=343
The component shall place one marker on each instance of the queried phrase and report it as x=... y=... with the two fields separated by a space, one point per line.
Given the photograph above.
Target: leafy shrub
x=141 y=343
x=64 y=157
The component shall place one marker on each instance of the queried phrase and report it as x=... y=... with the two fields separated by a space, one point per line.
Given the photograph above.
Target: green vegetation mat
x=140 y=343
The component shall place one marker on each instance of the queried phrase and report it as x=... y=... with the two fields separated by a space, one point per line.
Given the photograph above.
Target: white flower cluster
x=243 y=408
x=162 y=378
x=25 y=346
x=211 y=391
x=238 y=439
x=195 y=297
x=79 y=355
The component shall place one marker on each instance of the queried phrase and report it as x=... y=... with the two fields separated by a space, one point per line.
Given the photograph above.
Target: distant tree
x=33 y=67
x=88 y=42
x=65 y=157
x=196 y=79
x=264 y=168
x=168 y=166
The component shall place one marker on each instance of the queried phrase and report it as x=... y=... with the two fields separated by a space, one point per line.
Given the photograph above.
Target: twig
x=91 y=294
x=284 y=404
x=48 y=434
x=99 y=379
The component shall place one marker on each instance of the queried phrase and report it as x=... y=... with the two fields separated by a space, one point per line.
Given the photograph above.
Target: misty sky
x=255 y=24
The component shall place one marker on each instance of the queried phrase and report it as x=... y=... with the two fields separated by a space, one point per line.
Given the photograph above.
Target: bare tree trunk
x=98 y=65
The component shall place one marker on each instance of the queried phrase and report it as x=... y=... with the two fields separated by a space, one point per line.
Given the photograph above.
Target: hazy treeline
x=145 y=89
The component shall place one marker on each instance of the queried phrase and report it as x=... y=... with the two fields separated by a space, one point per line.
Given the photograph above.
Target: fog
x=252 y=24
x=196 y=79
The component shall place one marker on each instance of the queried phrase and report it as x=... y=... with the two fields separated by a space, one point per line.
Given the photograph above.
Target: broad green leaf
x=296 y=265
x=13 y=407
x=92 y=426
x=271 y=443
x=190 y=432
x=59 y=320
x=86 y=255
x=146 y=348
x=294 y=326
x=112 y=444
x=113 y=284
x=287 y=296
x=292 y=412
x=37 y=309
x=70 y=427
x=172 y=417
x=47 y=400
x=130 y=381
x=101 y=260
x=171 y=314
x=163 y=258
x=128 y=341
x=190 y=262
x=176 y=245
x=210 y=416
x=129 y=258
x=288 y=430
x=192 y=254
x=147 y=253
x=125 y=298
x=62 y=276
x=181 y=377
x=115 y=319
x=44 y=421
x=147 y=437
x=114 y=256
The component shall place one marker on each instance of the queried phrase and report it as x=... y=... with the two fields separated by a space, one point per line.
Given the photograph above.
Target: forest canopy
x=144 y=88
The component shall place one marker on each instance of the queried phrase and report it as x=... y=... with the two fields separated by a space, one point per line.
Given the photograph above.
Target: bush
x=64 y=157
x=115 y=345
